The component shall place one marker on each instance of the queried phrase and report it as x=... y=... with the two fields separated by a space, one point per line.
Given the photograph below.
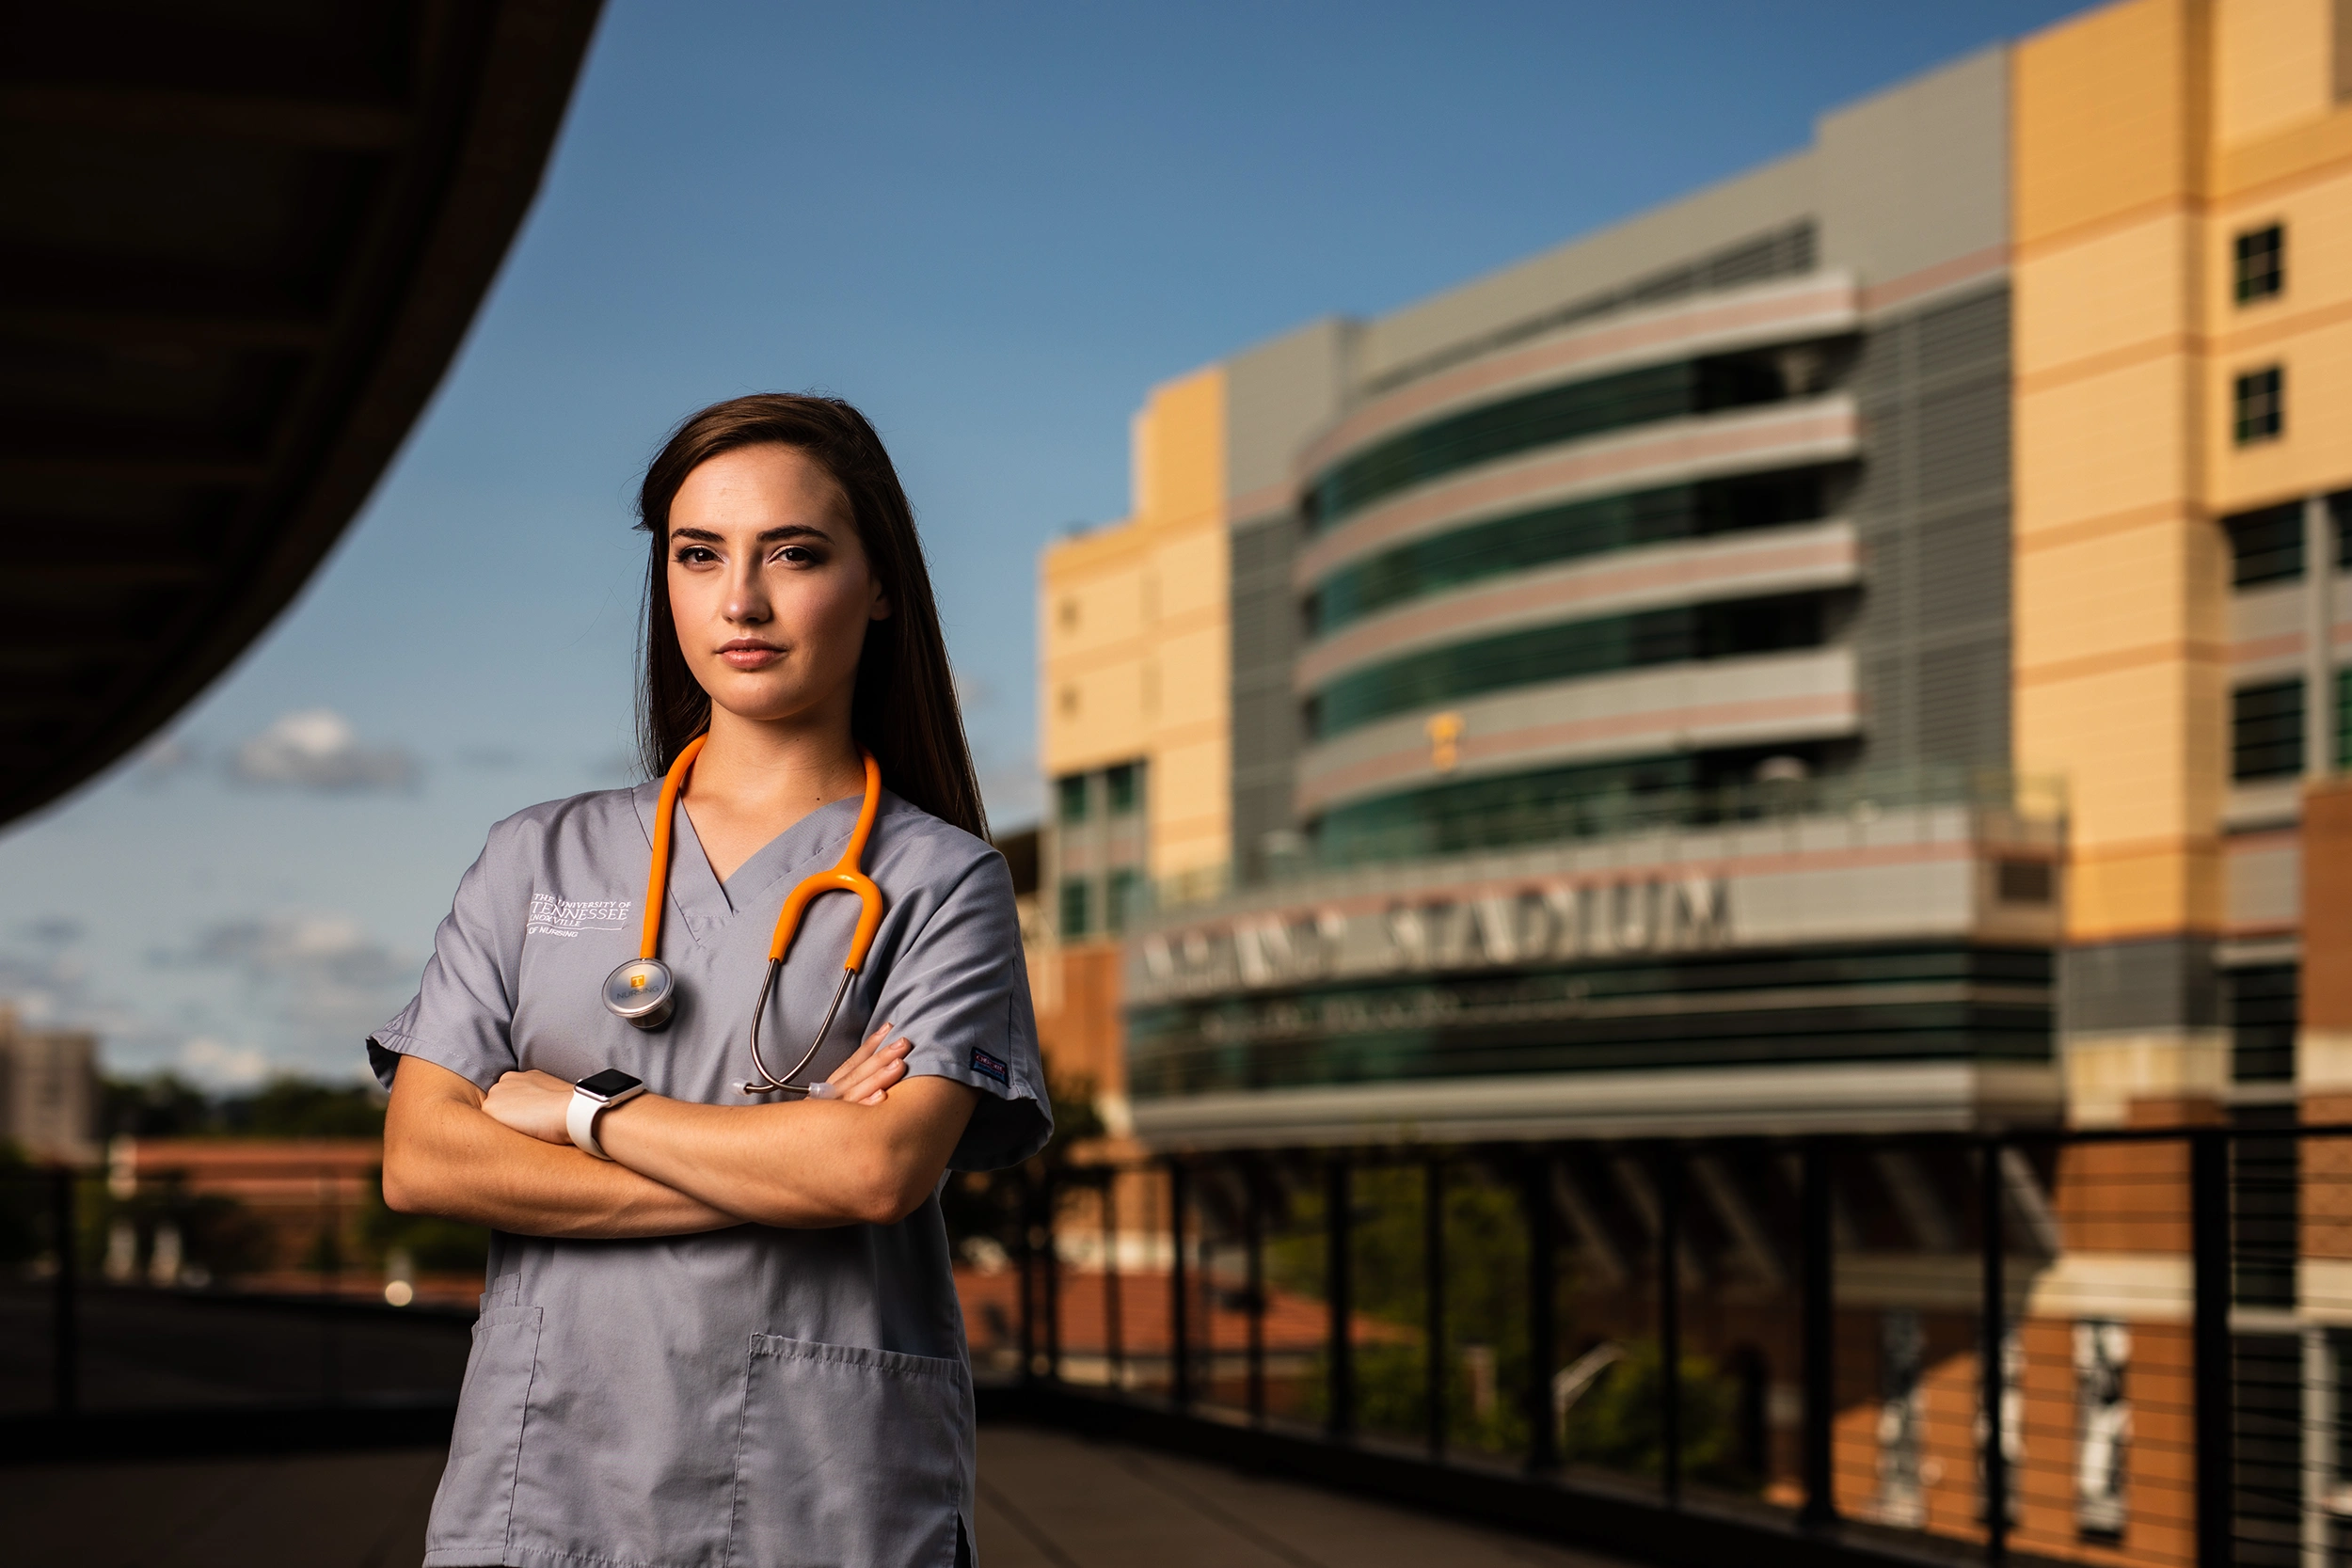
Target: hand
x=533 y=1103
x=865 y=1078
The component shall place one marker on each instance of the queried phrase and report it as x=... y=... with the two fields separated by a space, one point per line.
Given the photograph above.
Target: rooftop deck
x=1047 y=1501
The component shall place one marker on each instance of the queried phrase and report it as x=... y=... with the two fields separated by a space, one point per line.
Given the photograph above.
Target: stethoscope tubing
x=847 y=874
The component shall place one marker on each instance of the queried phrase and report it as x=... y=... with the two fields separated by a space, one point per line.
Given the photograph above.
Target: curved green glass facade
x=1552 y=534
x=1543 y=418
x=1564 y=651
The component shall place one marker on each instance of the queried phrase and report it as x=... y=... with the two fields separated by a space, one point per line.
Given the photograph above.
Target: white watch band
x=580 y=1120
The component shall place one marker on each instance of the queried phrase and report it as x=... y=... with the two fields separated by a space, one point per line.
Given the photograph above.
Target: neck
x=777 y=769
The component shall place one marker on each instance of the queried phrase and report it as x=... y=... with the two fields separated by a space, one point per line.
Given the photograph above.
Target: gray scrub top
x=753 y=1396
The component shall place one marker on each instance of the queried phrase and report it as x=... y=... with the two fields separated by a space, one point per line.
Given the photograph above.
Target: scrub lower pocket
x=848 y=1458
x=474 y=1508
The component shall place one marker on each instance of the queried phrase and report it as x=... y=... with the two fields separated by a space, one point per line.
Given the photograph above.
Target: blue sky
x=992 y=228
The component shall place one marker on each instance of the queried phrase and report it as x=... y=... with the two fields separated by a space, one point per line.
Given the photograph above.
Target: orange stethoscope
x=644 y=992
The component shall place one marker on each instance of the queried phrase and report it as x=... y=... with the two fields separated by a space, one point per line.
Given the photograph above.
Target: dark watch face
x=611 y=1081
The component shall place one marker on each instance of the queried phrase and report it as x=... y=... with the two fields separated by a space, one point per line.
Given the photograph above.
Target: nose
x=747 y=594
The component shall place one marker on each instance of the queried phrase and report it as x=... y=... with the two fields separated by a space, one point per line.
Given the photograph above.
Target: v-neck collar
x=700 y=900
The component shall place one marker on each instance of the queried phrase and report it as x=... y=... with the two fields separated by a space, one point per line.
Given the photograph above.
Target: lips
x=748 y=653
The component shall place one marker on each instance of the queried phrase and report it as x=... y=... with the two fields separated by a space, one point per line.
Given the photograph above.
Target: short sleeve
x=463 y=1015
x=959 y=991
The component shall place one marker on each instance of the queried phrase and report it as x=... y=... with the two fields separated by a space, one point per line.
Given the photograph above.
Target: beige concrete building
x=49 y=1100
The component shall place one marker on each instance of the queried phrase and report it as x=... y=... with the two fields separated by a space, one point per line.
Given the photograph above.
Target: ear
x=879 y=608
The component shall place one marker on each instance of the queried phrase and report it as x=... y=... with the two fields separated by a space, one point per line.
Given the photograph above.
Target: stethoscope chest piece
x=642 y=992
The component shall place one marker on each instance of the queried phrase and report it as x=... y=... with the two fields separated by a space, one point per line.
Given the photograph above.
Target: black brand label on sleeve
x=988 y=1066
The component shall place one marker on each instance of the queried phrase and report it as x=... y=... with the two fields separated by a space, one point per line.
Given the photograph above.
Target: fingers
x=884 y=1068
x=862 y=1054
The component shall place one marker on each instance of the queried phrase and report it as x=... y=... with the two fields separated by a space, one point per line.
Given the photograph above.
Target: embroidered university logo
x=552 y=916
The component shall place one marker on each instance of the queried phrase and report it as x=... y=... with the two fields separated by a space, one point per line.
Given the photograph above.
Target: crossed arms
x=503 y=1159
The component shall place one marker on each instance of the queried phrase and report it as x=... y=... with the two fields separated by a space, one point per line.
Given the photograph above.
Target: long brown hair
x=903 y=709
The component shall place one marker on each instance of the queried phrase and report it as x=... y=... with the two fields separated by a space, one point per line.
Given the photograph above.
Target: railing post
x=1433 y=1298
x=1253 y=1240
x=1048 y=1214
x=1114 y=1331
x=1025 y=1239
x=65 y=1327
x=1338 y=1233
x=1817 y=1306
x=2209 y=1249
x=1994 y=1313
x=1670 y=1326
x=1178 y=1360
x=1543 y=1448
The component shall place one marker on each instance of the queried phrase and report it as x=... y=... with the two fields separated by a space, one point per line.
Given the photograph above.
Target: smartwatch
x=590 y=1098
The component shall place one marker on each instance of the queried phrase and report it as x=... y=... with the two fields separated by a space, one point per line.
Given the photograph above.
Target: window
x=2262 y=264
x=1566 y=651
x=1120 y=784
x=2266 y=545
x=1566 y=532
x=1075 y=911
x=2261 y=1006
x=1120 y=898
x=1072 y=798
x=2344 y=721
x=2267 y=731
x=1555 y=413
x=2259 y=409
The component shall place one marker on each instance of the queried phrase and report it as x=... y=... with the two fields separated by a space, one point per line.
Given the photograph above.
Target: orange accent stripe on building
x=2170 y=651
x=2109 y=223
x=2081 y=530
x=2107 y=361
x=1987 y=262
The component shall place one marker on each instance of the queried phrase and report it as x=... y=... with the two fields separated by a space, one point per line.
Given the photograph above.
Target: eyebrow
x=787 y=530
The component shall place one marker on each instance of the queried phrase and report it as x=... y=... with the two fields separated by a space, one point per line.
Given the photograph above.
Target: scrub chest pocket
x=849 y=1456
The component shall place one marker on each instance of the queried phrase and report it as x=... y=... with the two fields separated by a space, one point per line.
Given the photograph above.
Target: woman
x=721 y=1327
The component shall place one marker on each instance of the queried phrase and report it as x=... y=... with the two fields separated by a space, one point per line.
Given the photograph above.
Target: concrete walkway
x=1047 y=1501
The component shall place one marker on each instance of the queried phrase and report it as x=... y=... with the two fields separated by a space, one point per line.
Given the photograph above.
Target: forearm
x=450 y=1159
x=806 y=1165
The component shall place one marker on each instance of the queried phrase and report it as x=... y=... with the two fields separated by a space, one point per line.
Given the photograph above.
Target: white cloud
x=317 y=749
x=323 y=978
x=217 y=1064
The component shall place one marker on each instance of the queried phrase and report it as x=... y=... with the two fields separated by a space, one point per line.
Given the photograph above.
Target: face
x=769 y=585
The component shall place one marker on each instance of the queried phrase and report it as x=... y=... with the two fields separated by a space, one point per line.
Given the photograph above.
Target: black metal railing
x=2127 y=1345
x=2123 y=1346
x=272 y=1303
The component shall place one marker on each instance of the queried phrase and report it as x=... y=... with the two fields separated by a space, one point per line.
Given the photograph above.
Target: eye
x=799 y=555
x=695 y=555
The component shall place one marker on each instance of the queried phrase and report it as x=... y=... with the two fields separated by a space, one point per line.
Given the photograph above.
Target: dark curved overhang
x=239 y=244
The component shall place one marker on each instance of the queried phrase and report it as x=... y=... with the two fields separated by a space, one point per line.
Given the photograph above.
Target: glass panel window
x=1566 y=532
x=1568 y=651
x=1125 y=891
x=2260 y=1003
x=2344 y=721
x=2262 y=264
x=2267 y=731
x=1071 y=795
x=1074 y=907
x=1564 y=413
x=2259 y=407
x=2266 y=545
x=1119 y=783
